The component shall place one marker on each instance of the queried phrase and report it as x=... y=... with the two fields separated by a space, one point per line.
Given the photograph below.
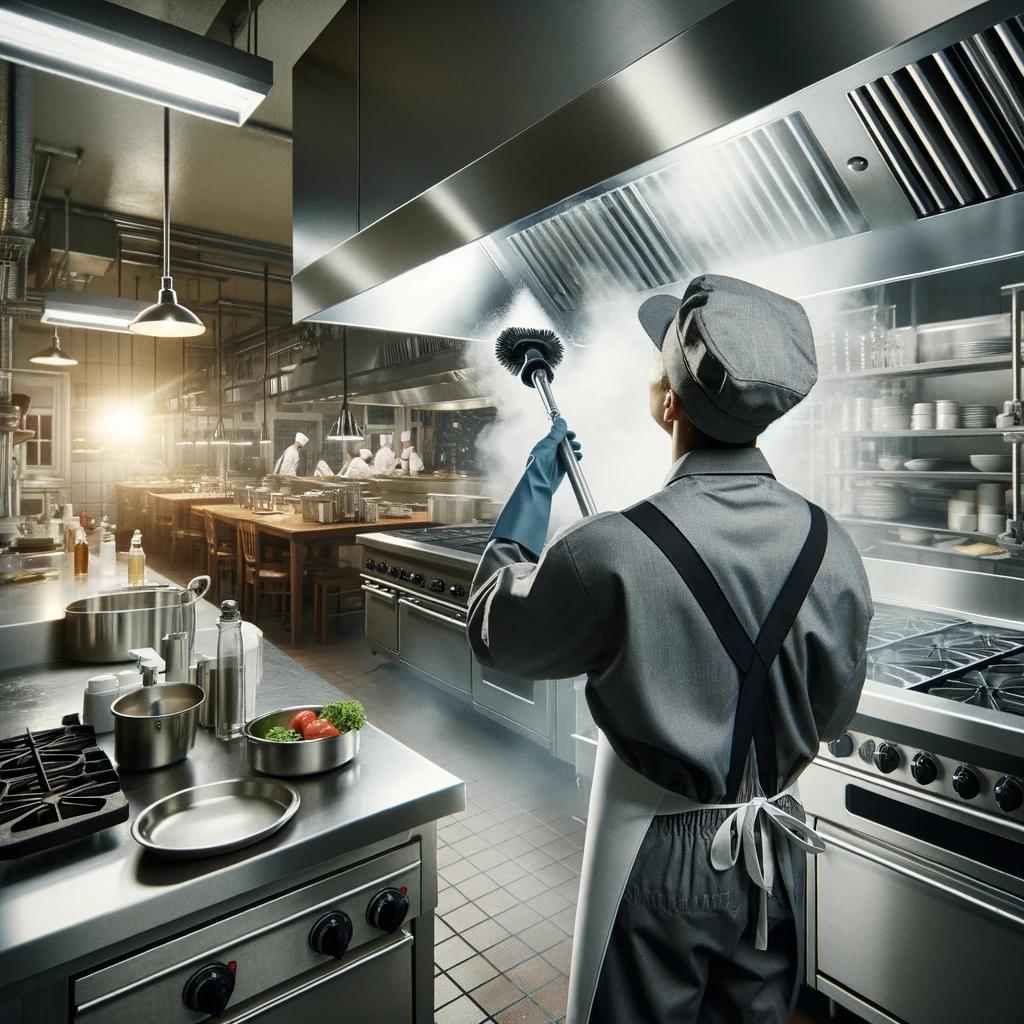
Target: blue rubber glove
x=526 y=514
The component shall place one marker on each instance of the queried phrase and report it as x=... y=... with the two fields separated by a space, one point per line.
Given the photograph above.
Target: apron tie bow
x=739 y=833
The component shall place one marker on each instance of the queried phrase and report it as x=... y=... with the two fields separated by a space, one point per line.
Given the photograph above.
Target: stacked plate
x=978 y=415
x=975 y=348
x=922 y=416
x=947 y=415
x=991 y=509
x=882 y=501
x=887 y=414
x=962 y=512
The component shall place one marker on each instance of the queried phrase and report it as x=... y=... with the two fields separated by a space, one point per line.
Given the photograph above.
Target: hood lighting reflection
x=53 y=355
x=92 y=312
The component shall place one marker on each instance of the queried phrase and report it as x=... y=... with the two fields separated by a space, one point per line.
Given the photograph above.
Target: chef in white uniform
x=288 y=463
x=360 y=467
x=722 y=626
x=322 y=469
x=385 y=457
x=409 y=461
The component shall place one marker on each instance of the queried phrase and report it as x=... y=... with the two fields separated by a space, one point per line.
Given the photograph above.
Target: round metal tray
x=205 y=820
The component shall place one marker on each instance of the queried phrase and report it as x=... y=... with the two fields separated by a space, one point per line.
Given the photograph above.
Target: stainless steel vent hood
x=737 y=146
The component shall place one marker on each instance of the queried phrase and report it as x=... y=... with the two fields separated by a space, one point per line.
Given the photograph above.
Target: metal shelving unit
x=992 y=432
x=931 y=527
x=935 y=368
x=897 y=475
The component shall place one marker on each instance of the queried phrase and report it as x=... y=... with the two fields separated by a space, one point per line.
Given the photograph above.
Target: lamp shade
x=166 y=318
x=53 y=355
x=345 y=427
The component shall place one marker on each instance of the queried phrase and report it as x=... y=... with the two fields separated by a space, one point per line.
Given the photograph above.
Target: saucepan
x=155 y=726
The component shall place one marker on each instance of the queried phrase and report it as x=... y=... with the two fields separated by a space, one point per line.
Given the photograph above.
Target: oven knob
x=965 y=782
x=383 y=567
x=841 y=747
x=387 y=910
x=866 y=751
x=403 y=575
x=457 y=590
x=1009 y=794
x=393 y=570
x=437 y=586
x=371 y=564
x=209 y=989
x=924 y=769
x=417 y=578
x=886 y=758
x=331 y=934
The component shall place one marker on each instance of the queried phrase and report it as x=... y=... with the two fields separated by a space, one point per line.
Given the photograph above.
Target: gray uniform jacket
x=605 y=602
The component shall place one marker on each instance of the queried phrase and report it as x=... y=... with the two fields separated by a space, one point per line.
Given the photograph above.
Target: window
x=39 y=450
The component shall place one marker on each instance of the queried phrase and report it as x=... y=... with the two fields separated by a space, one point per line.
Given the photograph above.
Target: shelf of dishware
x=932 y=527
x=935 y=368
x=896 y=475
x=993 y=432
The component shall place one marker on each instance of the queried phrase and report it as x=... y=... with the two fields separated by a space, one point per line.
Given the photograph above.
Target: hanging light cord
x=167 y=192
x=266 y=336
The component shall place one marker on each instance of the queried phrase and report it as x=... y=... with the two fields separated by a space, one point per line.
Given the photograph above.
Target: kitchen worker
x=409 y=460
x=288 y=463
x=361 y=465
x=385 y=457
x=722 y=626
x=322 y=469
x=354 y=454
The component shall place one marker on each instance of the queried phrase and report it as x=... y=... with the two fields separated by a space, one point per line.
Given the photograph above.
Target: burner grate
x=56 y=785
x=985 y=690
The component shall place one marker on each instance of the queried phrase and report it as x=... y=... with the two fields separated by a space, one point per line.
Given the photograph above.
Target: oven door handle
x=918 y=876
x=388 y=596
x=254 y=1012
x=416 y=606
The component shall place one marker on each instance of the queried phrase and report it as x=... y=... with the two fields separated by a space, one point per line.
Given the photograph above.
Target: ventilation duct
x=769 y=191
x=951 y=125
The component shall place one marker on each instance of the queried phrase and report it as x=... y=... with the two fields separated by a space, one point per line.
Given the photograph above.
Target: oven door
x=376 y=985
x=521 y=703
x=381 y=615
x=432 y=639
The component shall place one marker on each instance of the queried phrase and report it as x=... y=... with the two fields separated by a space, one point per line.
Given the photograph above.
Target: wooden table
x=178 y=506
x=300 y=535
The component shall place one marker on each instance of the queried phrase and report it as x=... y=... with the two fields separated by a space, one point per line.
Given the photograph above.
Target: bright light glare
x=125 y=422
x=75 y=55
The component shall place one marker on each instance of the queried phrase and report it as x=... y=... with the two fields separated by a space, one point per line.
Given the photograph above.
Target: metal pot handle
x=193 y=589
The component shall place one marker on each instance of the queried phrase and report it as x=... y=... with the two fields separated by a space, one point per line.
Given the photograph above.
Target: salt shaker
x=230 y=717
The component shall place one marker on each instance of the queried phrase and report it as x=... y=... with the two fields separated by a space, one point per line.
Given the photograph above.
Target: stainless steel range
x=916 y=908
x=417 y=586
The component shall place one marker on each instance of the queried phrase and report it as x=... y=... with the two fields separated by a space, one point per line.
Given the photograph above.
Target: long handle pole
x=572 y=467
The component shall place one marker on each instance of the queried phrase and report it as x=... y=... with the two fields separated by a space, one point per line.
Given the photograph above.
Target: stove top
x=56 y=785
x=891 y=624
x=471 y=539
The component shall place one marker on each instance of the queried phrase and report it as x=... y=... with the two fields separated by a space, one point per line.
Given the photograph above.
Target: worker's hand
x=526 y=514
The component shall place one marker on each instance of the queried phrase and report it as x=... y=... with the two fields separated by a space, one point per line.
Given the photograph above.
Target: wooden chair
x=187 y=532
x=265 y=580
x=220 y=555
x=341 y=582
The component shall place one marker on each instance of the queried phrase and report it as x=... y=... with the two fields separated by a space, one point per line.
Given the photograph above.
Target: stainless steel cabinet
x=381 y=616
x=434 y=641
x=523 y=703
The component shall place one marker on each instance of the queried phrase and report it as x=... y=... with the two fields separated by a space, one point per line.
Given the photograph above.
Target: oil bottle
x=136 y=562
x=81 y=553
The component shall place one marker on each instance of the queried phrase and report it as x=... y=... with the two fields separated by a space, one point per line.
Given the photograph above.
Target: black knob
x=403 y=575
x=924 y=769
x=371 y=564
x=437 y=586
x=417 y=578
x=209 y=989
x=866 y=751
x=966 y=783
x=387 y=910
x=383 y=567
x=886 y=758
x=1009 y=793
x=393 y=570
x=841 y=747
x=457 y=590
x=331 y=934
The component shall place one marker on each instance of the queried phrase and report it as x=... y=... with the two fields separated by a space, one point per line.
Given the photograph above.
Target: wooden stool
x=265 y=579
x=220 y=555
x=340 y=582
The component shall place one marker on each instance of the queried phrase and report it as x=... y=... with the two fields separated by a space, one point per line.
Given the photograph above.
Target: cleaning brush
x=531 y=354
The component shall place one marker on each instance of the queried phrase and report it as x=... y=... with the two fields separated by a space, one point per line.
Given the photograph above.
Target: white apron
x=622 y=806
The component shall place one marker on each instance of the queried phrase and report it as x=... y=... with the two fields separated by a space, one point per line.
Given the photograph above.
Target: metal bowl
x=306 y=757
x=155 y=726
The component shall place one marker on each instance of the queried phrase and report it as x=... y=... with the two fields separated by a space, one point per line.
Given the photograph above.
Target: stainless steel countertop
x=82 y=903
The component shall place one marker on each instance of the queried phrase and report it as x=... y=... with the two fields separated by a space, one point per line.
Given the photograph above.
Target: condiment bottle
x=230 y=718
x=108 y=554
x=136 y=562
x=81 y=553
x=70 y=525
x=100 y=693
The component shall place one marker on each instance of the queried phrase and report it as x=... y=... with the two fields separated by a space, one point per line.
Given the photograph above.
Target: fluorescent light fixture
x=53 y=355
x=115 y=48
x=92 y=312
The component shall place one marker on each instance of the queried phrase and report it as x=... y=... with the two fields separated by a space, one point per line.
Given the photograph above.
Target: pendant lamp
x=345 y=427
x=266 y=438
x=220 y=435
x=53 y=355
x=166 y=318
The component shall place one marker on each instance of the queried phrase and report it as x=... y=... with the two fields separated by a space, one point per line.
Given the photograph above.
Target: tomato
x=301 y=719
x=319 y=729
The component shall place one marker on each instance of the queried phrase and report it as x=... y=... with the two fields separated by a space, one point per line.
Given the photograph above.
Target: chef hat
x=301 y=439
x=365 y=453
x=384 y=439
x=406 y=435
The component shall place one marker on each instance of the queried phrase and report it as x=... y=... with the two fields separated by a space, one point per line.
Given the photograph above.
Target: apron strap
x=753 y=660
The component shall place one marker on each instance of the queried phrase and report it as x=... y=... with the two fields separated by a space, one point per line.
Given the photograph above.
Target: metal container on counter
x=155 y=726
x=453 y=509
x=320 y=508
x=105 y=627
x=262 y=500
x=241 y=497
x=304 y=757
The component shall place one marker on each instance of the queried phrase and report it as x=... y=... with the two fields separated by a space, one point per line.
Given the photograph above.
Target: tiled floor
x=508 y=866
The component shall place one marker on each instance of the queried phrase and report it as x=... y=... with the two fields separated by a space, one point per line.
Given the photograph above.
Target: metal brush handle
x=572 y=466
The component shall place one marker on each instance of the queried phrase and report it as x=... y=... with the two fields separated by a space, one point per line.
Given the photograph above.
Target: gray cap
x=738 y=356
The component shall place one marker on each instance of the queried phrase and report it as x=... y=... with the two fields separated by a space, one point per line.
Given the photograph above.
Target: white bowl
x=947 y=406
x=990 y=498
x=923 y=465
x=913 y=535
x=890 y=462
x=967 y=523
x=947 y=422
x=991 y=463
x=960 y=506
x=991 y=522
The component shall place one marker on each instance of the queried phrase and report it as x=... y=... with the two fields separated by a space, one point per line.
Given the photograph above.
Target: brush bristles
x=514 y=342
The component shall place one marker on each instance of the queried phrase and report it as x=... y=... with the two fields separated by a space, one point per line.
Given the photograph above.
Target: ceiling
x=223 y=179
